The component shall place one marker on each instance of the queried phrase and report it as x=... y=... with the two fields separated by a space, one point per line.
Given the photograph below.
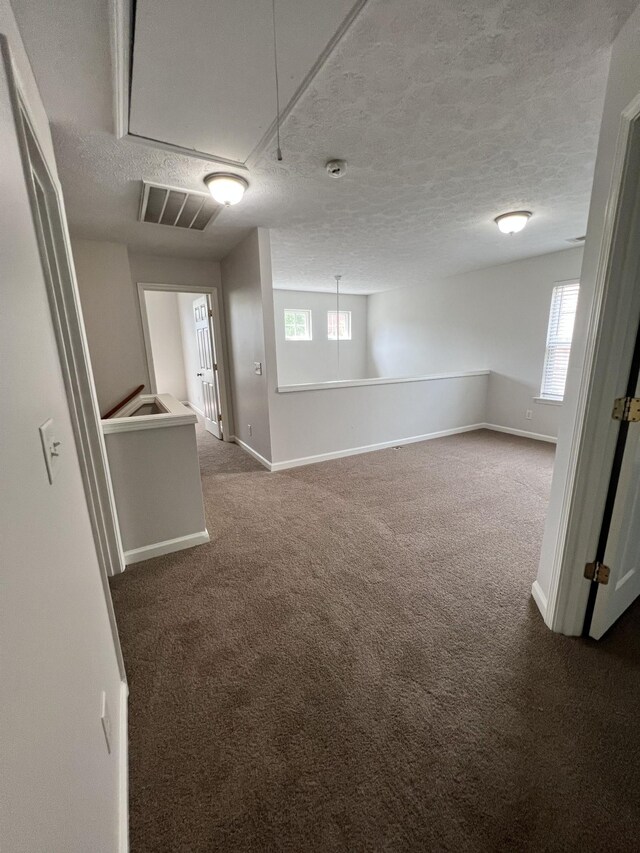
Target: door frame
x=609 y=344
x=75 y=366
x=220 y=342
x=73 y=348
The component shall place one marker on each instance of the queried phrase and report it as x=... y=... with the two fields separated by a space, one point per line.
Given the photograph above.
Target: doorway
x=182 y=328
x=592 y=528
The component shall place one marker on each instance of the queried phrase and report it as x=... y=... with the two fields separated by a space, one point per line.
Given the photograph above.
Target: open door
x=208 y=373
x=616 y=570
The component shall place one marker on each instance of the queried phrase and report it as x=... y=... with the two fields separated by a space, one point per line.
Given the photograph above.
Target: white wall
x=570 y=542
x=158 y=269
x=59 y=787
x=316 y=360
x=311 y=423
x=191 y=358
x=247 y=313
x=494 y=318
x=436 y=328
x=108 y=274
x=304 y=424
x=112 y=319
x=166 y=342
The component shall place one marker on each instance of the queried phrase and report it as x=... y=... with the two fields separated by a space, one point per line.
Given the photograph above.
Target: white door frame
x=613 y=323
x=75 y=366
x=66 y=316
x=218 y=331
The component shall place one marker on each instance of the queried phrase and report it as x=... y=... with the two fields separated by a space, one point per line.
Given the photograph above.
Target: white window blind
x=564 y=302
x=345 y=325
x=297 y=324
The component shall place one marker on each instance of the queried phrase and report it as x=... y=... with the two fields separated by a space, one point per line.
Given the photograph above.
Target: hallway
x=354 y=663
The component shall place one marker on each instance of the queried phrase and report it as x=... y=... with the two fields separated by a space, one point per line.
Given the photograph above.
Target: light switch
x=51 y=447
x=257 y=367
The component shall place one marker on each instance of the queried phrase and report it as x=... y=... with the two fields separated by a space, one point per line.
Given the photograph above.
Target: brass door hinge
x=219 y=417
x=211 y=312
x=597 y=572
x=626 y=409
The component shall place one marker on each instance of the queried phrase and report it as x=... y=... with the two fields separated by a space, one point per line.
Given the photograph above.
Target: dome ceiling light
x=226 y=188
x=511 y=223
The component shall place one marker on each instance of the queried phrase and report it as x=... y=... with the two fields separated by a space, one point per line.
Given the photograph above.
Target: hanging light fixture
x=225 y=187
x=511 y=223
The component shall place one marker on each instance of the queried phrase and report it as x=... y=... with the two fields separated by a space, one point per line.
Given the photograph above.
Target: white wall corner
x=248 y=449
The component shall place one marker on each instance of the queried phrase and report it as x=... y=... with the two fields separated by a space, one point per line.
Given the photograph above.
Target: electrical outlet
x=528 y=414
x=105 y=719
x=250 y=428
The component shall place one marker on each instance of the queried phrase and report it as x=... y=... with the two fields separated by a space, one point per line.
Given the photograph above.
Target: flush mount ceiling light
x=511 y=223
x=225 y=187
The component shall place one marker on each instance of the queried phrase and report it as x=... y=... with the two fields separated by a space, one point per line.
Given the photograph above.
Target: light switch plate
x=257 y=367
x=50 y=447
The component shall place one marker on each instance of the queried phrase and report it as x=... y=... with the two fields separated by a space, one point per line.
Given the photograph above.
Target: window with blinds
x=564 y=302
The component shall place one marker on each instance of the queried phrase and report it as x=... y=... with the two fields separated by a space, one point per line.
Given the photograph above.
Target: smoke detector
x=336 y=168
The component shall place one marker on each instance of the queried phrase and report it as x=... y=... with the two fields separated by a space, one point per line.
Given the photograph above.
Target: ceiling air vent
x=176 y=207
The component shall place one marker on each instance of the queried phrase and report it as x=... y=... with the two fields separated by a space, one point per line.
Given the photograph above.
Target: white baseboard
x=248 y=449
x=538 y=436
x=199 y=412
x=384 y=445
x=369 y=448
x=123 y=771
x=166 y=547
x=540 y=599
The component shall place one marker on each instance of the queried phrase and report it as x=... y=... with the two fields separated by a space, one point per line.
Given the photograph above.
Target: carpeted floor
x=354 y=663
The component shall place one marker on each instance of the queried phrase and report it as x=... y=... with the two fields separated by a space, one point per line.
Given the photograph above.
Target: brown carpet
x=354 y=663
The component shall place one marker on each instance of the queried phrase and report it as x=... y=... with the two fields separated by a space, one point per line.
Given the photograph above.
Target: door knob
x=199 y=374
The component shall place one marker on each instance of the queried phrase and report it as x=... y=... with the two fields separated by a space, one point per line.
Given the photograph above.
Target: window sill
x=547 y=401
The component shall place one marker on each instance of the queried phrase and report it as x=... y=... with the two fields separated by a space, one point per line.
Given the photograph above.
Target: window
x=297 y=324
x=564 y=302
x=345 y=325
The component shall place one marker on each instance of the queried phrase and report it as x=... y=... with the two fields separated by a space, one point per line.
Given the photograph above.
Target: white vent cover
x=176 y=207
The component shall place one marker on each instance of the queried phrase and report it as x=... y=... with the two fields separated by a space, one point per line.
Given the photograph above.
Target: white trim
x=123 y=771
x=381 y=380
x=199 y=413
x=136 y=555
x=248 y=449
x=547 y=401
x=73 y=349
x=523 y=433
x=120 y=27
x=176 y=414
x=384 y=445
x=370 y=448
x=592 y=440
x=219 y=342
x=540 y=599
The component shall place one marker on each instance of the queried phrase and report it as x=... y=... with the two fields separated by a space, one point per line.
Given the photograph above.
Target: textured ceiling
x=447 y=113
x=214 y=108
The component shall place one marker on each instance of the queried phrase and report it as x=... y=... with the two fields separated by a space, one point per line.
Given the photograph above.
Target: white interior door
x=208 y=372
x=622 y=552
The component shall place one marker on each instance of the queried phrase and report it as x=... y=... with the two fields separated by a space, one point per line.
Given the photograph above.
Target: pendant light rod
x=337 y=278
x=275 y=67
